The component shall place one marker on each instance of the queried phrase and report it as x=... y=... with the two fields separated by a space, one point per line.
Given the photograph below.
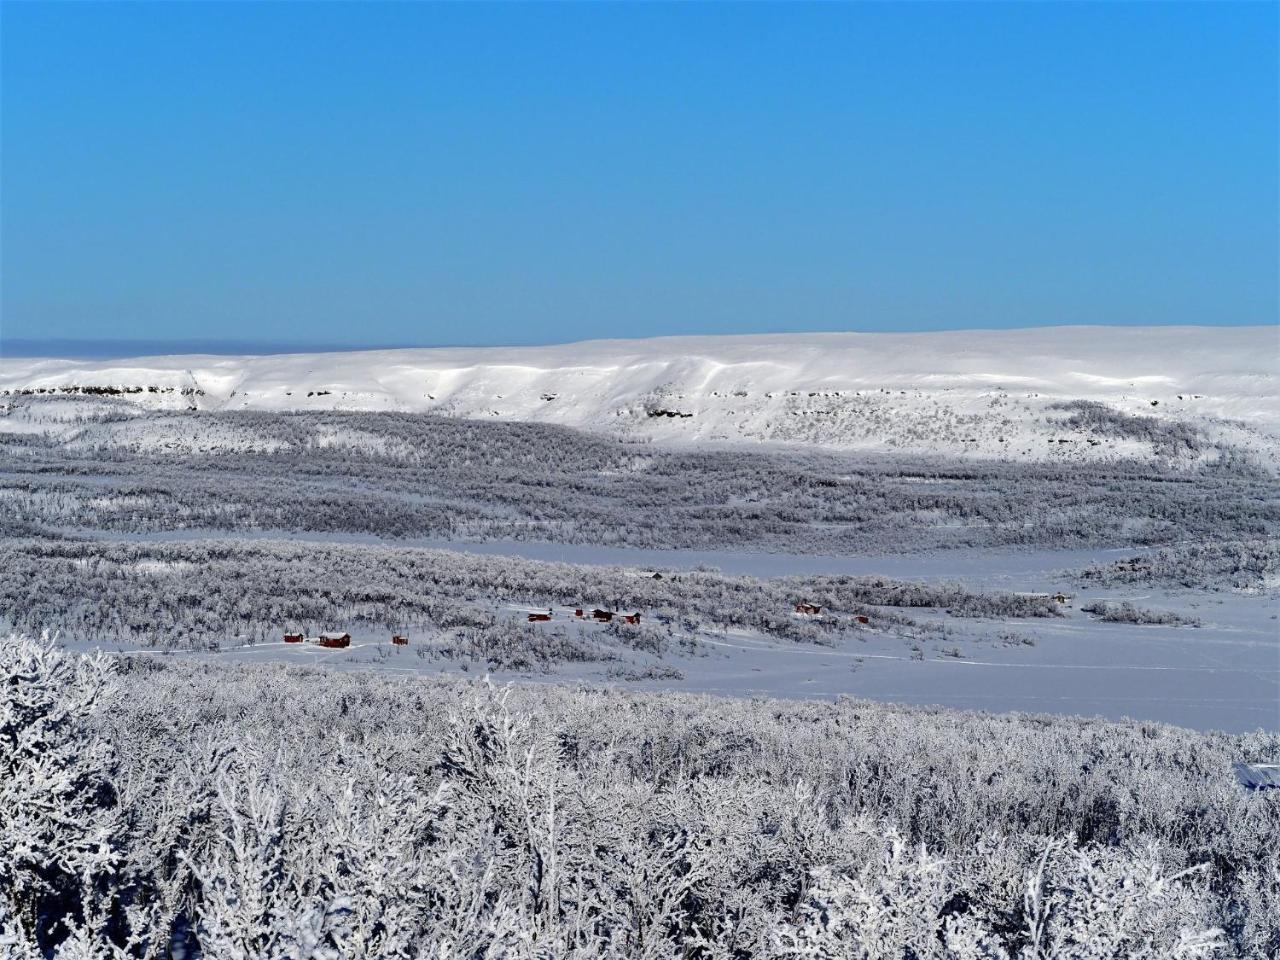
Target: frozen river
x=1014 y=568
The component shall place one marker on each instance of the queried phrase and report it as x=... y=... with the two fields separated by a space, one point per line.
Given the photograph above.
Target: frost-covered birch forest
x=154 y=807
x=83 y=465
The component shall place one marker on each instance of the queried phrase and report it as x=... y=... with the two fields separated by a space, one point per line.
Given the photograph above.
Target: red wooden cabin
x=631 y=617
x=293 y=638
x=808 y=609
x=604 y=616
x=862 y=619
x=400 y=640
x=335 y=641
x=539 y=617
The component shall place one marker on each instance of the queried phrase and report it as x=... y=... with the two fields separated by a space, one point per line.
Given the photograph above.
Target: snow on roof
x=334 y=635
x=1258 y=776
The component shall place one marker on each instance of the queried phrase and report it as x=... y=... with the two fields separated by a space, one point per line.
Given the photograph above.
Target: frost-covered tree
x=58 y=821
x=266 y=812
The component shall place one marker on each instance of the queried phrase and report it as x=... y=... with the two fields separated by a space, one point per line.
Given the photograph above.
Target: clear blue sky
x=469 y=173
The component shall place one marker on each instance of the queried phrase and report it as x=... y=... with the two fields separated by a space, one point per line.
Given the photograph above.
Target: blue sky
x=475 y=173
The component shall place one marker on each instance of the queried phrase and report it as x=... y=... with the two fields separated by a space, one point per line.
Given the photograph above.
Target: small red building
x=604 y=616
x=631 y=617
x=400 y=640
x=861 y=619
x=808 y=609
x=539 y=617
x=577 y=612
x=293 y=638
x=335 y=641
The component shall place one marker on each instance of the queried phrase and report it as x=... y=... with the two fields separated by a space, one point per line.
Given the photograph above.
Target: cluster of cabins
x=332 y=640
x=338 y=641
x=580 y=613
x=806 y=609
x=1060 y=598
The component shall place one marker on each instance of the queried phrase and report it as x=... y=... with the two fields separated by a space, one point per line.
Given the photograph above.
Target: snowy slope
x=983 y=393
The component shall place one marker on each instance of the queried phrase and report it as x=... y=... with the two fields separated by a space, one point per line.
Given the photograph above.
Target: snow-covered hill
x=977 y=393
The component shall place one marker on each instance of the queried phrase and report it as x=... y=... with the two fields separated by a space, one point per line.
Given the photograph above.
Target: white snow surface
x=978 y=392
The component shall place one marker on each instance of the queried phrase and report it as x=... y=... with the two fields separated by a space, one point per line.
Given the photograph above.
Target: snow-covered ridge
x=981 y=392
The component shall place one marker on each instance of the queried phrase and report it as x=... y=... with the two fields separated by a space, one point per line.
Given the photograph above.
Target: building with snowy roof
x=1258 y=776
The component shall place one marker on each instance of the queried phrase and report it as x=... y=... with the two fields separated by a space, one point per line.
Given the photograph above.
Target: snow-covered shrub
x=1123 y=611
x=59 y=829
x=886 y=907
x=270 y=812
x=1117 y=904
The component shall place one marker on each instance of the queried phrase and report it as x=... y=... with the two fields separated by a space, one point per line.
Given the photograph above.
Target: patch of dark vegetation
x=851 y=593
x=1237 y=564
x=1167 y=438
x=1122 y=611
x=655 y=412
x=654 y=671
x=98 y=391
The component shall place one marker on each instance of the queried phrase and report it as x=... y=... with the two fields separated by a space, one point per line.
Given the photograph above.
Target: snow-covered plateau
x=1029 y=394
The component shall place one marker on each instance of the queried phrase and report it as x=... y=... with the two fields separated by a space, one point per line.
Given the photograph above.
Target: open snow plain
x=929 y=492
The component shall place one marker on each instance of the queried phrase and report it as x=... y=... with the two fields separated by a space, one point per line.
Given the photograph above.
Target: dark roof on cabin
x=1258 y=776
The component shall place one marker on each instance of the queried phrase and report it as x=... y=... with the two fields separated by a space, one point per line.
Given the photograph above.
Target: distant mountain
x=1180 y=393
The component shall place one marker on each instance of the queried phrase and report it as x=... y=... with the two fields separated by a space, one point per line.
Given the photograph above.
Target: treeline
x=403 y=475
x=177 y=809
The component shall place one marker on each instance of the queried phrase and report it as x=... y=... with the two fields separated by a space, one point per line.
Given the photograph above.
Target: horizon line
x=120 y=348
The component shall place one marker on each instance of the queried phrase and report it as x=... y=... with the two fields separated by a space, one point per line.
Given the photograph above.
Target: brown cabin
x=631 y=617
x=293 y=638
x=400 y=640
x=335 y=641
x=808 y=609
x=604 y=616
x=539 y=617
x=861 y=619
x=577 y=612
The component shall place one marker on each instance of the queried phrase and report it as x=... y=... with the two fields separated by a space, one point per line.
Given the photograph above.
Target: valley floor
x=1223 y=674
x=214 y=791
x=210 y=534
